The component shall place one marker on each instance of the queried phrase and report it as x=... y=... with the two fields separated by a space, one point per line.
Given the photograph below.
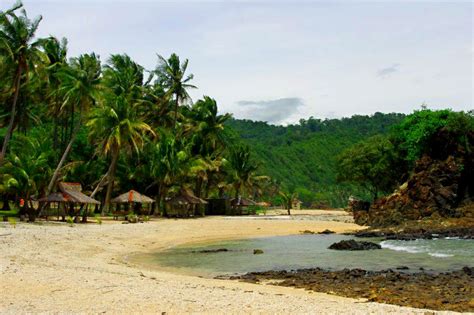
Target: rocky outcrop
x=434 y=190
x=354 y=245
x=443 y=291
x=421 y=232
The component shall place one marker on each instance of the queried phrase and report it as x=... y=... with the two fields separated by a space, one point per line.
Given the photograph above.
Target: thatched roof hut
x=54 y=197
x=132 y=196
x=72 y=192
x=186 y=197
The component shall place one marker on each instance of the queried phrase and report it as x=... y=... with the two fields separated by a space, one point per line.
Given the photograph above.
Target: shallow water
x=310 y=251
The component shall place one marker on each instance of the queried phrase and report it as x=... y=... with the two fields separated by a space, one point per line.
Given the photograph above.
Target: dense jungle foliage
x=302 y=157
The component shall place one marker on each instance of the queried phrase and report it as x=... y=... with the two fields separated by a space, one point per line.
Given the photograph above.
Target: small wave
x=401 y=248
x=440 y=255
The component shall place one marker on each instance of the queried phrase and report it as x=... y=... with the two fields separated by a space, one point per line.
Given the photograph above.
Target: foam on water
x=440 y=255
x=421 y=246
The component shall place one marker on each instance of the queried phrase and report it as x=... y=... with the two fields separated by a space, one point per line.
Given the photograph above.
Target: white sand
x=55 y=268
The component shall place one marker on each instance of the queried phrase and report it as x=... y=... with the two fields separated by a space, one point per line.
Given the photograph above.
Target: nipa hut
x=132 y=201
x=183 y=204
x=70 y=200
x=241 y=204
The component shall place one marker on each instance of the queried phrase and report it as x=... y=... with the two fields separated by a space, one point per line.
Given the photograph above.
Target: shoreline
x=43 y=266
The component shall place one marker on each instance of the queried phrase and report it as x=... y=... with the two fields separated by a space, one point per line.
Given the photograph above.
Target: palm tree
x=124 y=77
x=288 y=199
x=55 y=52
x=167 y=162
x=208 y=124
x=171 y=75
x=80 y=84
x=17 y=42
x=26 y=169
x=242 y=170
x=115 y=125
x=205 y=129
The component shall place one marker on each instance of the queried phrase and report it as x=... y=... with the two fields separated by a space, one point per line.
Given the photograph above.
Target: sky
x=280 y=61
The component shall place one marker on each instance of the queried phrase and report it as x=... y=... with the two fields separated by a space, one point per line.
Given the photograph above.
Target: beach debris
x=257 y=251
x=354 y=245
x=307 y=232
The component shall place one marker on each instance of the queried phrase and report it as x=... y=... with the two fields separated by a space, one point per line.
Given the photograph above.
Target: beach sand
x=54 y=268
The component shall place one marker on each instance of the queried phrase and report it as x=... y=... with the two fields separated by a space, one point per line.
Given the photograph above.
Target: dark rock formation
x=443 y=291
x=421 y=232
x=354 y=245
x=257 y=251
x=209 y=251
x=433 y=191
x=326 y=232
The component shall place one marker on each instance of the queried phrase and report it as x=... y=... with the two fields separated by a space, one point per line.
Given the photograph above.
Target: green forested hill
x=302 y=157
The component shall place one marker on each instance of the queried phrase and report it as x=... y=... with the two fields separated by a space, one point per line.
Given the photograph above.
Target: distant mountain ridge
x=302 y=157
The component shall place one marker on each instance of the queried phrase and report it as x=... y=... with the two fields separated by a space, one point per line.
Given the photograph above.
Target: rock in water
x=354 y=245
x=326 y=232
x=208 y=251
x=257 y=251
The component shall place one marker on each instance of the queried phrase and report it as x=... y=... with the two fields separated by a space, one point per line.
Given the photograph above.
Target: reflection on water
x=310 y=251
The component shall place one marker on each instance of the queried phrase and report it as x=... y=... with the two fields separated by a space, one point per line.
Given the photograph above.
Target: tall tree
x=80 y=84
x=26 y=168
x=172 y=76
x=206 y=134
x=242 y=169
x=55 y=51
x=372 y=164
x=115 y=125
x=17 y=33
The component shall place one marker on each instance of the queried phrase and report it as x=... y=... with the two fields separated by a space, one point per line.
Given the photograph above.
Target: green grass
x=9 y=213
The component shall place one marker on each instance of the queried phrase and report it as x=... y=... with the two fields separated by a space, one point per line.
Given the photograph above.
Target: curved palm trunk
x=63 y=158
x=11 y=124
x=100 y=184
x=111 y=177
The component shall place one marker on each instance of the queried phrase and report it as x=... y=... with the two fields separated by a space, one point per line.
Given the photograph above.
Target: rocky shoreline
x=418 y=233
x=452 y=291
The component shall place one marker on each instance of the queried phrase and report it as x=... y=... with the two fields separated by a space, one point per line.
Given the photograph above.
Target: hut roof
x=70 y=186
x=73 y=193
x=186 y=197
x=243 y=202
x=132 y=196
x=54 y=197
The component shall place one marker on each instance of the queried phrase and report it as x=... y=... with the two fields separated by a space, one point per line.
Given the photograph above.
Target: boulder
x=326 y=231
x=208 y=251
x=354 y=245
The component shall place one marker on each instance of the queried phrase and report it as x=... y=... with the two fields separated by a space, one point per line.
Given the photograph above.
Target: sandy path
x=84 y=269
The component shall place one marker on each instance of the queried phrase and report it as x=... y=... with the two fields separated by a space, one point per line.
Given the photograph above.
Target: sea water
x=311 y=251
